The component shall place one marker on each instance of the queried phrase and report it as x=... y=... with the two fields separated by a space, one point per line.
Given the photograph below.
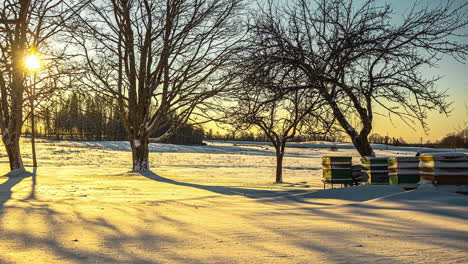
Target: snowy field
x=217 y=204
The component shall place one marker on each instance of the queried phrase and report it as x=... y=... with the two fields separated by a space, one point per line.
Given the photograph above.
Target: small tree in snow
x=253 y=104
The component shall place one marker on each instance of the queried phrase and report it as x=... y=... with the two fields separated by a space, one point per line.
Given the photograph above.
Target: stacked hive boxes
x=337 y=170
x=376 y=169
x=444 y=168
x=403 y=171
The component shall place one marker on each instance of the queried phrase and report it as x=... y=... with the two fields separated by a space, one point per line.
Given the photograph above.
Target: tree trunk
x=140 y=154
x=14 y=155
x=279 y=166
x=360 y=140
x=33 y=141
x=33 y=124
x=362 y=145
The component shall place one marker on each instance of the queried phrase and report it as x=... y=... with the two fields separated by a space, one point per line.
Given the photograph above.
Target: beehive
x=444 y=168
x=403 y=171
x=337 y=170
x=376 y=169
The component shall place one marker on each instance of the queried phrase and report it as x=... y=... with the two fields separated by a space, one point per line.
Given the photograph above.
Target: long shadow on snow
x=277 y=196
x=355 y=195
x=419 y=201
x=57 y=224
x=6 y=187
x=224 y=190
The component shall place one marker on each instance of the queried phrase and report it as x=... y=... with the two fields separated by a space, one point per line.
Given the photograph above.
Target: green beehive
x=337 y=170
x=376 y=169
x=403 y=171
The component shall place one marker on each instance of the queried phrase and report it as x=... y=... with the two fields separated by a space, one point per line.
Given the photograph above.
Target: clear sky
x=455 y=80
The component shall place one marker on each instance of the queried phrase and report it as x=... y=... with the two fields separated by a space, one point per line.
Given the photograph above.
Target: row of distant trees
x=77 y=116
x=454 y=140
x=458 y=139
x=285 y=68
x=379 y=139
x=261 y=137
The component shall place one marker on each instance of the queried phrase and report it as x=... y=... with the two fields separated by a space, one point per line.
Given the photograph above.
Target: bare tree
x=156 y=59
x=358 y=56
x=25 y=25
x=252 y=104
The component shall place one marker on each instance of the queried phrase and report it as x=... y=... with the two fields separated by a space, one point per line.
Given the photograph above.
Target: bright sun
x=32 y=62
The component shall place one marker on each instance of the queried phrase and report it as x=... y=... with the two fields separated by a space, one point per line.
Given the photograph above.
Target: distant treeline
x=84 y=117
x=378 y=139
x=452 y=140
x=75 y=116
x=455 y=140
x=261 y=137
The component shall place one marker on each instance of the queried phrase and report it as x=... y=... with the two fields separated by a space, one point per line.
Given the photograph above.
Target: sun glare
x=32 y=62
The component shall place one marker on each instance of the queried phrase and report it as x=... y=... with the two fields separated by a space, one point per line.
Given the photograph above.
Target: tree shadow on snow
x=225 y=190
x=355 y=196
x=295 y=195
x=32 y=194
x=6 y=187
x=265 y=196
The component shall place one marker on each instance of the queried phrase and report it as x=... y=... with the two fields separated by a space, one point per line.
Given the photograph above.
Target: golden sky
x=455 y=80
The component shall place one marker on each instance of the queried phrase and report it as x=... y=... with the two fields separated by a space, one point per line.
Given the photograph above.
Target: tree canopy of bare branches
x=156 y=59
x=357 y=55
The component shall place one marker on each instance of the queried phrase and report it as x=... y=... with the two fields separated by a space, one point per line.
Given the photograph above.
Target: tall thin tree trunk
x=33 y=140
x=33 y=123
x=140 y=155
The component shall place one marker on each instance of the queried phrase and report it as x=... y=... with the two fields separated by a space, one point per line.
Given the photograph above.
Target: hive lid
x=445 y=156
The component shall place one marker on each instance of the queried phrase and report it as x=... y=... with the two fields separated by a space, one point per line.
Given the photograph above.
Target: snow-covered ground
x=217 y=204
